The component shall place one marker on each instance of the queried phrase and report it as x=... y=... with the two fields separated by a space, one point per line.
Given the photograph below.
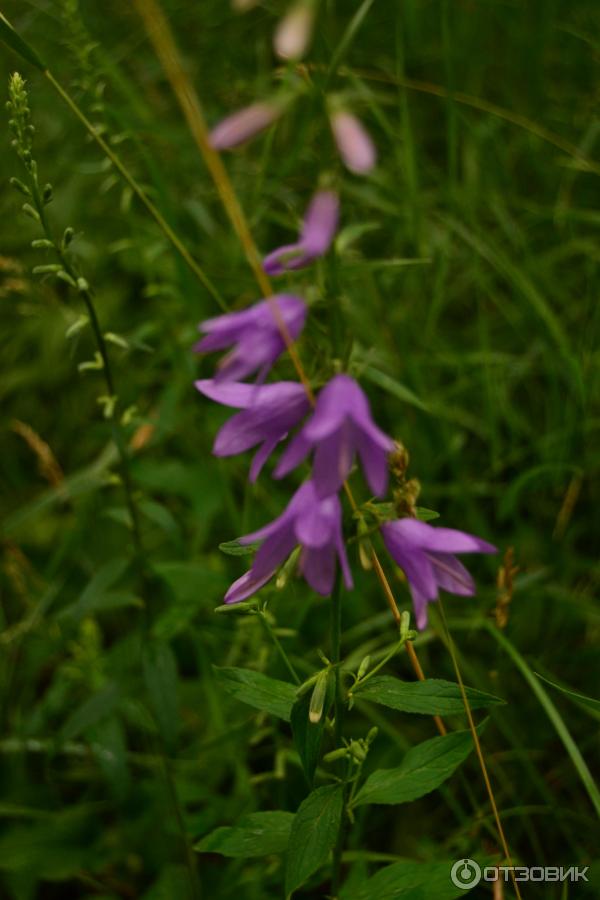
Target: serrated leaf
x=423 y=769
x=434 y=696
x=313 y=835
x=258 y=834
x=408 y=881
x=258 y=690
x=308 y=736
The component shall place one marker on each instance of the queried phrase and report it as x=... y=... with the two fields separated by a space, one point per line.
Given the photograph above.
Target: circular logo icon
x=465 y=874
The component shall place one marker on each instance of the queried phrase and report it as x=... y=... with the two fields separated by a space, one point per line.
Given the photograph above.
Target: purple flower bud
x=315 y=524
x=353 y=142
x=426 y=555
x=254 y=335
x=269 y=412
x=242 y=125
x=294 y=31
x=318 y=230
x=340 y=427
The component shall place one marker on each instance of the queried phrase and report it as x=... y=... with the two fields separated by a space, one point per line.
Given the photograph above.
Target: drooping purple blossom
x=254 y=334
x=318 y=230
x=244 y=124
x=353 y=142
x=426 y=555
x=269 y=412
x=340 y=427
x=313 y=523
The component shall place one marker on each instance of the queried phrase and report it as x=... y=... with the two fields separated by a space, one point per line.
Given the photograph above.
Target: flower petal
x=374 y=462
x=245 y=587
x=261 y=456
x=230 y=393
x=296 y=451
x=451 y=575
x=441 y=540
x=414 y=563
x=318 y=567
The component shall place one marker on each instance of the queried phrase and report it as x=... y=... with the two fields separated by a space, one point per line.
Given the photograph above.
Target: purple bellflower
x=269 y=412
x=316 y=525
x=340 y=426
x=318 y=230
x=244 y=124
x=353 y=142
x=426 y=555
x=254 y=334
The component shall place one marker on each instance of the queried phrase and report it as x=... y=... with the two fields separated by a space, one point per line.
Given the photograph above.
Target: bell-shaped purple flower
x=353 y=142
x=426 y=555
x=269 y=412
x=340 y=427
x=318 y=230
x=316 y=525
x=244 y=124
x=254 y=335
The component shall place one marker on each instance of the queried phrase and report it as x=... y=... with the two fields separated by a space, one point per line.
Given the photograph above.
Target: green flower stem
x=87 y=298
x=279 y=647
x=135 y=187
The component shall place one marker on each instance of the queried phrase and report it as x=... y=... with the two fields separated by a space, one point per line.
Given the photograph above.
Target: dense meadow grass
x=462 y=293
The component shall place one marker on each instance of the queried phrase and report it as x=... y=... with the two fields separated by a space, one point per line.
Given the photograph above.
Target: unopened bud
x=317 y=700
x=48 y=193
x=363 y=668
x=294 y=32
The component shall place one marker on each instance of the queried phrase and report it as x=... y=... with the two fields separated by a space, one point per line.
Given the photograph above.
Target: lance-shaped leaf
x=258 y=690
x=13 y=40
x=408 y=881
x=258 y=834
x=423 y=769
x=313 y=835
x=433 y=697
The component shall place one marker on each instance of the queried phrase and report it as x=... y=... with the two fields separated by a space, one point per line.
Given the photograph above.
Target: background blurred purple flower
x=269 y=412
x=353 y=142
x=244 y=124
x=313 y=523
x=294 y=31
x=318 y=230
x=340 y=426
x=254 y=334
x=426 y=555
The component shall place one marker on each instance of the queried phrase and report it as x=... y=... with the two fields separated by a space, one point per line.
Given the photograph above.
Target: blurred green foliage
x=466 y=278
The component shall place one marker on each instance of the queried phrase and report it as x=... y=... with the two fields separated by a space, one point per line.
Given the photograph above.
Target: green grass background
x=466 y=275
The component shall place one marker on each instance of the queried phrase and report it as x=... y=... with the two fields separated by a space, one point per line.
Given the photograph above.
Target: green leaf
x=16 y=43
x=426 y=515
x=258 y=690
x=423 y=769
x=98 y=592
x=313 y=835
x=258 y=834
x=580 y=699
x=433 y=697
x=308 y=736
x=96 y=708
x=160 y=675
x=234 y=548
x=408 y=881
